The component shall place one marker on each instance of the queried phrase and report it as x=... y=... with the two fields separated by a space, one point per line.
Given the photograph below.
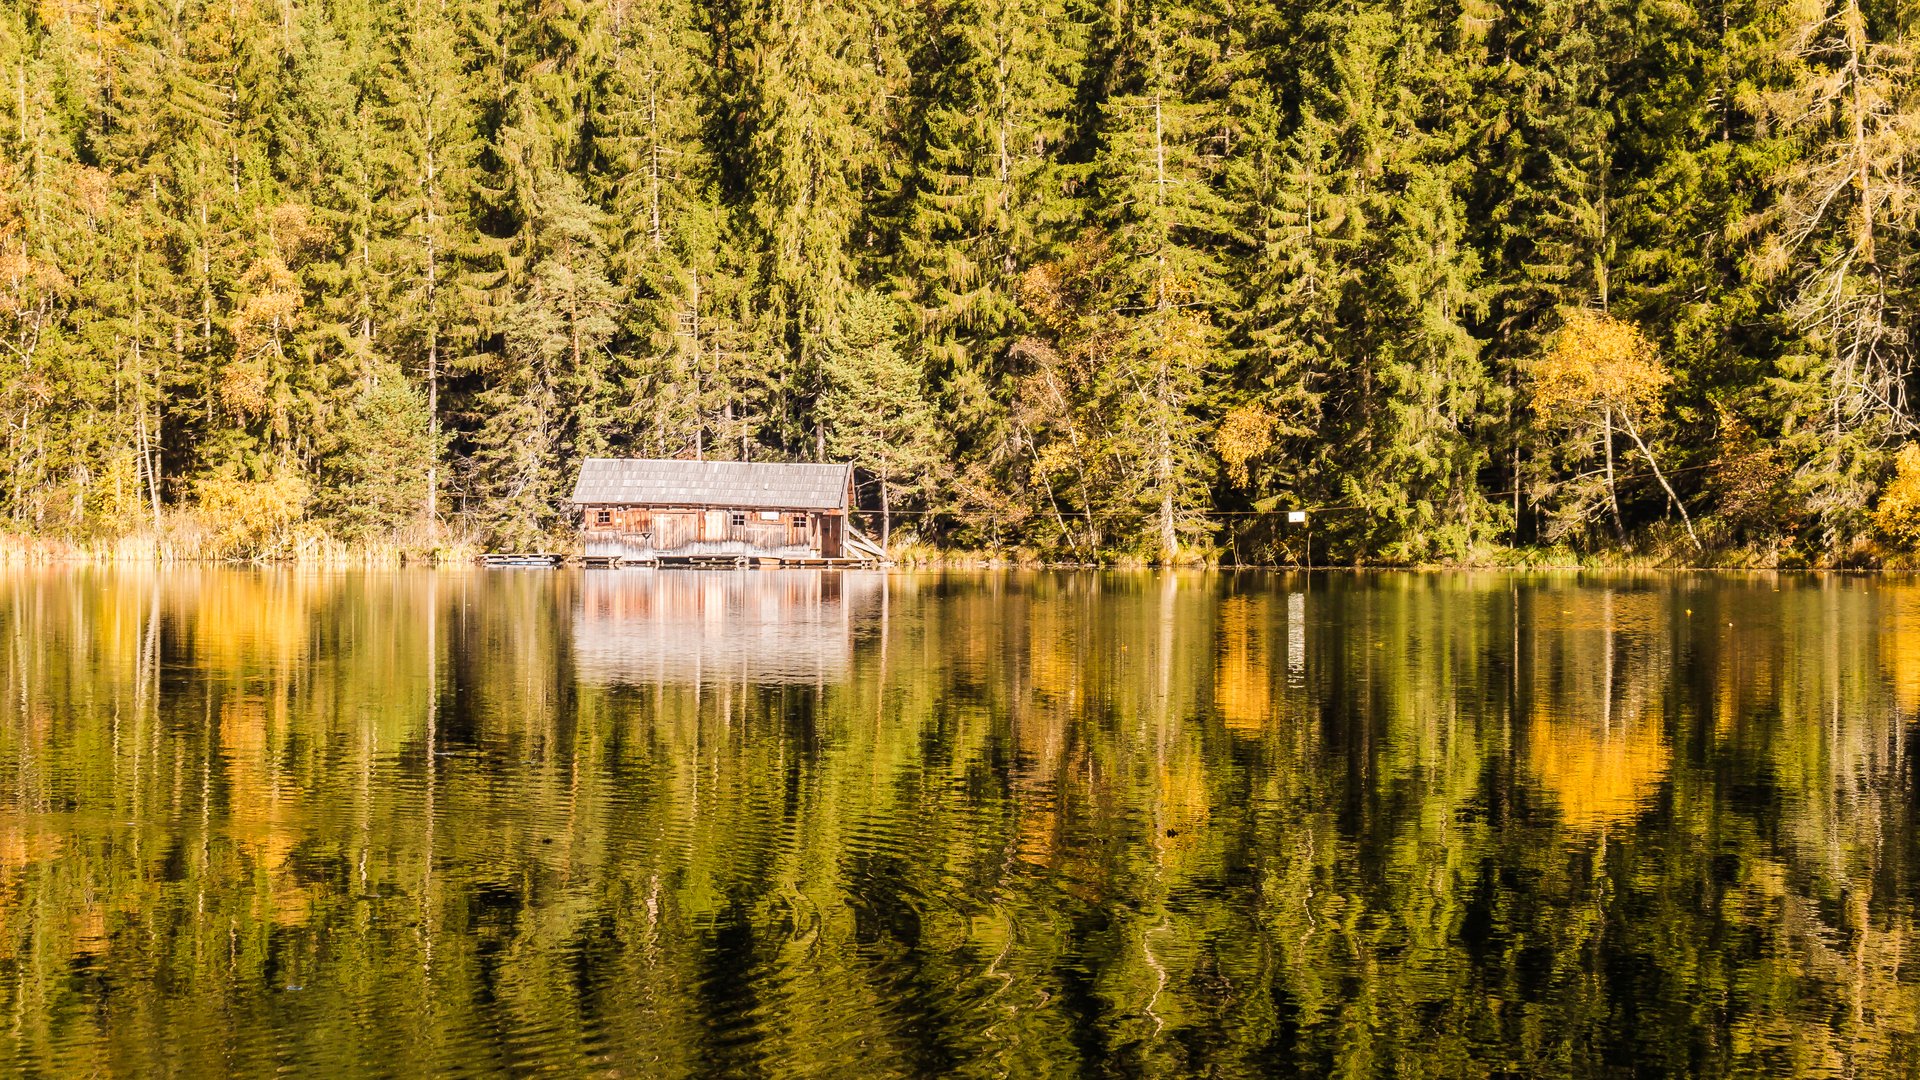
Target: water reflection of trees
x=1433 y=825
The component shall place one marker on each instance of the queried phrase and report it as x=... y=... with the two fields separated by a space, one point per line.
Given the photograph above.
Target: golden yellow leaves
x=244 y=387
x=1244 y=433
x=24 y=280
x=1043 y=293
x=16 y=270
x=296 y=236
x=1597 y=362
x=271 y=298
x=92 y=192
x=1176 y=337
x=270 y=309
x=266 y=314
x=1605 y=368
x=245 y=515
x=1898 y=515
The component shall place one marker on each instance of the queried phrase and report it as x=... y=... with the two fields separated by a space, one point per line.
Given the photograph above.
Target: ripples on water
x=833 y=824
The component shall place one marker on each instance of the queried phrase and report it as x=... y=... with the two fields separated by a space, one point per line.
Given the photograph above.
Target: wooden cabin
x=636 y=510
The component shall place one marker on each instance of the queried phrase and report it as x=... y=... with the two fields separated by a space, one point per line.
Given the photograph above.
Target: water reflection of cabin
x=648 y=511
x=682 y=628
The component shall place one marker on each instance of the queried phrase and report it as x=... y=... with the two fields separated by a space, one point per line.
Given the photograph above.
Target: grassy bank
x=184 y=541
x=1663 y=557
x=185 y=538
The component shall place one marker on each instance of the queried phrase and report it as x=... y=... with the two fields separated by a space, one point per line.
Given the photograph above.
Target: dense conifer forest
x=1086 y=279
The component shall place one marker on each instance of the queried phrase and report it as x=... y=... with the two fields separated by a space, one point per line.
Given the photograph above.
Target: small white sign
x=1296 y=516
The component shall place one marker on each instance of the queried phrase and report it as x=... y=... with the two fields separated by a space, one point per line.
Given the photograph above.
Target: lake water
x=665 y=823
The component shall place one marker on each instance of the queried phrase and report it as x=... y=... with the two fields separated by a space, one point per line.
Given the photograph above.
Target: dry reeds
x=185 y=538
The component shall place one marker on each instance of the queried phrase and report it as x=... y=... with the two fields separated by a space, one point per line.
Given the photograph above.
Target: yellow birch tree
x=1599 y=366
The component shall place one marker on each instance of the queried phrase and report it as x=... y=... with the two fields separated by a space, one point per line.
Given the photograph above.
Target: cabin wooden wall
x=634 y=532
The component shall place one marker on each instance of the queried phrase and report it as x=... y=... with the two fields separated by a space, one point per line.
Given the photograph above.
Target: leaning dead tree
x=1846 y=207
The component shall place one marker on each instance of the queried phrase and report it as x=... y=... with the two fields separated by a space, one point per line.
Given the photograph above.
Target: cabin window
x=739 y=517
x=799 y=521
x=603 y=517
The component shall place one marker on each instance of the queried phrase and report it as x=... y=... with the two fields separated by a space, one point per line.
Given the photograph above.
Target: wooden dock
x=555 y=560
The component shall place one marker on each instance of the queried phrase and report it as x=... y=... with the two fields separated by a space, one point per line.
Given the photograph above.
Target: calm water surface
x=663 y=824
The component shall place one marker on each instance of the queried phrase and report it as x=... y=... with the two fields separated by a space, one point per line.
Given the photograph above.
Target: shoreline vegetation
x=1067 y=281
x=318 y=551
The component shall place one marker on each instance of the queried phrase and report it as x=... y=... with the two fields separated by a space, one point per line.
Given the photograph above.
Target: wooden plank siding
x=645 y=533
x=645 y=510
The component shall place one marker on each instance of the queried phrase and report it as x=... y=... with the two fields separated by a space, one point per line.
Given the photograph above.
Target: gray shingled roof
x=748 y=485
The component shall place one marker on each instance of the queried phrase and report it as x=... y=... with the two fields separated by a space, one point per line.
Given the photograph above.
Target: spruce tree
x=549 y=399
x=875 y=407
x=1840 y=233
x=986 y=196
x=807 y=88
x=426 y=108
x=1158 y=347
x=653 y=171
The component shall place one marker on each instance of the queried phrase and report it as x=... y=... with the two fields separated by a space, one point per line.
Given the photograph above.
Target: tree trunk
x=148 y=467
x=586 y=425
x=1169 y=539
x=149 y=459
x=1634 y=434
x=433 y=350
x=1059 y=519
x=1854 y=22
x=1613 y=497
x=699 y=377
x=1516 y=493
x=1160 y=201
x=653 y=162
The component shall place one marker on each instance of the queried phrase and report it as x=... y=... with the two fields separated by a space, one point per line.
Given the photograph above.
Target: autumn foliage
x=1598 y=362
x=1605 y=368
x=247 y=516
x=1898 y=515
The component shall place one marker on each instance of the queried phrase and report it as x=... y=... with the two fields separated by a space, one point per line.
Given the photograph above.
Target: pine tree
x=874 y=406
x=1287 y=331
x=1154 y=260
x=163 y=135
x=426 y=107
x=374 y=479
x=1363 y=382
x=1840 y=232
x=332 y=167
x=986 y=196
x=654 y=173
x=807 y=90
x=1158 y=345
x=549 y=399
